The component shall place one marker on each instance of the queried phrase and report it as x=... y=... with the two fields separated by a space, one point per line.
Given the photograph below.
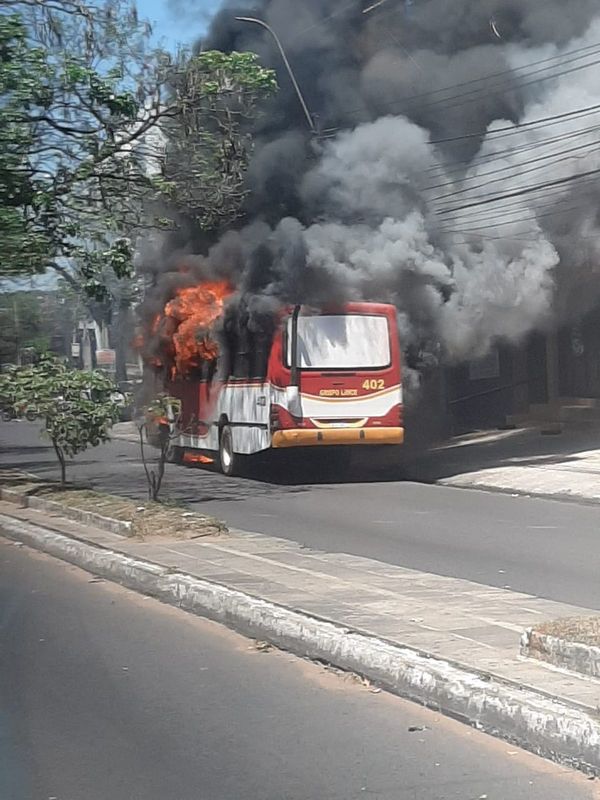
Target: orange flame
x=187 y=321
x=197 y=458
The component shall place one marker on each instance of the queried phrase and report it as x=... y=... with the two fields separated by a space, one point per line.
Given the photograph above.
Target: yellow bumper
x=298 y=437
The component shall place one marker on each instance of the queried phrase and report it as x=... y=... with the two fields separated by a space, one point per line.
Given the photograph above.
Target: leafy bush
x=77 y=408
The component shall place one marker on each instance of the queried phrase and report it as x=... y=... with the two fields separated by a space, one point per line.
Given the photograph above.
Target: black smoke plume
x=422 y=112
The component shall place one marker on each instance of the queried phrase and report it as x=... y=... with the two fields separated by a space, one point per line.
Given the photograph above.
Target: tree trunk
x=62 y=461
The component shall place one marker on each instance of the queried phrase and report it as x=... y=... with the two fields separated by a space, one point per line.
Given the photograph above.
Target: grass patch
x=584 y=630
x=147 y=519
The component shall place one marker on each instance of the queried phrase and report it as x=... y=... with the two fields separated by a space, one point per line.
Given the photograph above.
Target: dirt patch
x=583 y=630
x=147 y=519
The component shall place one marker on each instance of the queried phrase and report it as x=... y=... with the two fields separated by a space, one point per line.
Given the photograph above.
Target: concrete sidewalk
x=442 y=641
x=126 y=432
x=565 y=466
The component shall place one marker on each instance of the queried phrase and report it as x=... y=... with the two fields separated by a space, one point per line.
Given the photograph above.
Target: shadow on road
x=495 y=449
x=7 y=450
x=116 y=467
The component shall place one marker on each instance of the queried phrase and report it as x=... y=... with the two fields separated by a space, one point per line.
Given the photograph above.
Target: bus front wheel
x=227 y=458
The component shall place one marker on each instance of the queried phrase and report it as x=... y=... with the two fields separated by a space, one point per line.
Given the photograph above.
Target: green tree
x=96 y=125
x=104 y=137
x=209 y=142
x=77 y=408
x=79 y=88
x=22 y=326
x=21 y=66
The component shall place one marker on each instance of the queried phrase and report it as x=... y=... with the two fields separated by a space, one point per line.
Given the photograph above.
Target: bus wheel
x=227 y=457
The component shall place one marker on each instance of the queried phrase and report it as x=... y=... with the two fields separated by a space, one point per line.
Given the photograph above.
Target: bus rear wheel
x=227 y=458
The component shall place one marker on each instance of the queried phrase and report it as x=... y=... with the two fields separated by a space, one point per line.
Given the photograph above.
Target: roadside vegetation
x=76 y=409
x=142 y=520
x=107 y=142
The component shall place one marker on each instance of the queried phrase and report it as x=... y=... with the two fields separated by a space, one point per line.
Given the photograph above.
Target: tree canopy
x=77 y=409
x=103 y=135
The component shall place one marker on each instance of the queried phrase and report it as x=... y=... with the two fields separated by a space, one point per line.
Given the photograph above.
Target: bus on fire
x=326 y=378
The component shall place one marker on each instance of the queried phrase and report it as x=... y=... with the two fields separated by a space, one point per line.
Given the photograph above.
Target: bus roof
x=352 y=307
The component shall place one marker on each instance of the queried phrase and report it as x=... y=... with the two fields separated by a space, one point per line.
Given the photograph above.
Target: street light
x=267 y=27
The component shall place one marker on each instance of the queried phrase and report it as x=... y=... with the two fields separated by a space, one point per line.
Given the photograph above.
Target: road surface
x=543 y=547
x=107 y=695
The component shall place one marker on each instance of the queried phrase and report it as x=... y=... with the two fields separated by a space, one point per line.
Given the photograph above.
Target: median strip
x=112 y=513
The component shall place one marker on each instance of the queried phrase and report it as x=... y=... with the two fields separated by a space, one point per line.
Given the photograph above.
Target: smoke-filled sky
x=452 y=169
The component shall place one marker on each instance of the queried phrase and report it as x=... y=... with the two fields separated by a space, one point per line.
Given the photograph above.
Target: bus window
x=241 y=364
x=342 y=341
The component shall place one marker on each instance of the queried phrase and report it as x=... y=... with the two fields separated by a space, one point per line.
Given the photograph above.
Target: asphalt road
x=543 y=547
x=105 y=694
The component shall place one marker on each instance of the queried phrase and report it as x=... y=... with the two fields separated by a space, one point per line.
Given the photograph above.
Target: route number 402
x=373 y=384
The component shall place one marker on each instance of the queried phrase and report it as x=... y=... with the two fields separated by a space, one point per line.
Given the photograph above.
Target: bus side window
x=243 y=349
x=260 y=355
x=241 y=366
x=226 y=338
x=221 y=368
x=261 y=331
x=208 y=371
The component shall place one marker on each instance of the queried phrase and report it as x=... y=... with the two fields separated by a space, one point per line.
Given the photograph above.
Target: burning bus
x=305 y=378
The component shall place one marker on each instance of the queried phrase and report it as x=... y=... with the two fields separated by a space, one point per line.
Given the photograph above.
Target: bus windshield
x=341 y=341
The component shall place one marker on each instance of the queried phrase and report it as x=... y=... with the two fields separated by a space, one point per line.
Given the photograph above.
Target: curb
x=559 y=497
x=548 y=727
x=118 y=526
x=124 y=437
x=574 y=656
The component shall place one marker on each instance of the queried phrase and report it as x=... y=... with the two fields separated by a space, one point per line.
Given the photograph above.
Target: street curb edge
x=511 y=491
x=118 y=526
x=571 y=655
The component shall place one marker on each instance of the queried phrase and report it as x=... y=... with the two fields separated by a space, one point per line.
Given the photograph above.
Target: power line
x=505 y=210
x=468 y=218
x=588 y=50
x=512 y=130
x=541 y=161
x=516 y=238
x=562 y=60
x=532 y=217
x=454 y=182
x=485 y=160
x=468 y=236
x=474 y=96
x=553 y=195
x=519 y=192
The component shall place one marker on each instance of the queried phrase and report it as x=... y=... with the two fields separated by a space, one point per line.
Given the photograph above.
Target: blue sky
x=177 y=21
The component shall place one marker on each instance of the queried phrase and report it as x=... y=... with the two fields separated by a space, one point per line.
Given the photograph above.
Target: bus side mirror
x=293 y=402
